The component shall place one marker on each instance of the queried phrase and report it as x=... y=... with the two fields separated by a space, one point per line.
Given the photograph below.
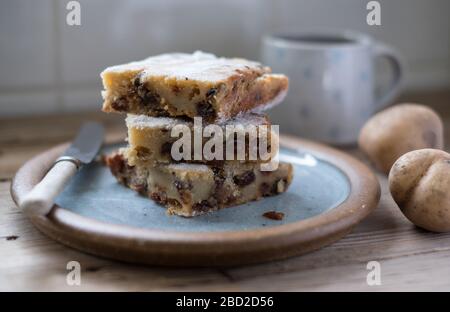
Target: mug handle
x=384 y=51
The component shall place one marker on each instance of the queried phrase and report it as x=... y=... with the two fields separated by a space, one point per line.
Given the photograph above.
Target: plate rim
x=113 y=240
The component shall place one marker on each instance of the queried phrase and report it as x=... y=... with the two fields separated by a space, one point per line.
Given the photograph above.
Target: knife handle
x=39 y=201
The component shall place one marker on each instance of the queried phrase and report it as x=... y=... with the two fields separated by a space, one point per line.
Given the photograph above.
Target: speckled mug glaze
x=331 y=77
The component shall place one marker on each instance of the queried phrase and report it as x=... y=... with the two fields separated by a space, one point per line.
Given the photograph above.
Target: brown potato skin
x=419 y=182
x=398 y=130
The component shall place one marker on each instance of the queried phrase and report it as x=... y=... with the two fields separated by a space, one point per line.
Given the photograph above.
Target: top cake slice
x=198 y=84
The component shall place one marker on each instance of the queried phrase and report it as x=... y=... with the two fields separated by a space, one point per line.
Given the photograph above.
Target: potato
x=398 y=130
x=419 y=182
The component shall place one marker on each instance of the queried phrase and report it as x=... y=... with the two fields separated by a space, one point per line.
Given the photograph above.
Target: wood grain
x=410 y=258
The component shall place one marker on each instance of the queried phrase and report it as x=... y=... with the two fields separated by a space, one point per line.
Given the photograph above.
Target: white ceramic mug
x=331 y=83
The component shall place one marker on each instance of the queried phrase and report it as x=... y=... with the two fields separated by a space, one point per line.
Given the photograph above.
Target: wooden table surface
x=410 y=258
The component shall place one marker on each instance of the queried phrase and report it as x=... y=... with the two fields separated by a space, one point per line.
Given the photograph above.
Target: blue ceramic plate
x=330 y=193
x=317 y=187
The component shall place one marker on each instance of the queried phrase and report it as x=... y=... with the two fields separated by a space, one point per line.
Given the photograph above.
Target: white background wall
x=47 y=66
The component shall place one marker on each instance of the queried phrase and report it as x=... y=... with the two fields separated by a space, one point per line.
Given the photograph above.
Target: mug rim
x=351 y=39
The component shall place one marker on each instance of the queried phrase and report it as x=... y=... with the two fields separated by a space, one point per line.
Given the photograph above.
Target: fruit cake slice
x=198 y=84
x=193 y=189
x=150 y=139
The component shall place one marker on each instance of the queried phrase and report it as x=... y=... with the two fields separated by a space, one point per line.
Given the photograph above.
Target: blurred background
x=49 y=67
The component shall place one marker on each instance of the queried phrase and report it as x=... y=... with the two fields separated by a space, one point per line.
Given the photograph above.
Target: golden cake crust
x=197 y=84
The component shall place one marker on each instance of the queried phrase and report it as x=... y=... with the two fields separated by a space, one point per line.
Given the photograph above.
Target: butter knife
x=40 y=200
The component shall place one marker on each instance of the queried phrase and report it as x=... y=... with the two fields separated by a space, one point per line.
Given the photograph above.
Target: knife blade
x=87 y=143
x=40 y=200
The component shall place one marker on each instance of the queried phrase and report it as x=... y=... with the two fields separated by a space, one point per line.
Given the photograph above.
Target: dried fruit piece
x=206 y=110
x=274 y=215
x=120 y=104
x=245 y=178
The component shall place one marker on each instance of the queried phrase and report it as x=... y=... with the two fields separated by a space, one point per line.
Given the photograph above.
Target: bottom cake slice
x=193 y=189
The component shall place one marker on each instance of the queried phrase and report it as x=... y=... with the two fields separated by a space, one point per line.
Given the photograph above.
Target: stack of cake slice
x=176 y=91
